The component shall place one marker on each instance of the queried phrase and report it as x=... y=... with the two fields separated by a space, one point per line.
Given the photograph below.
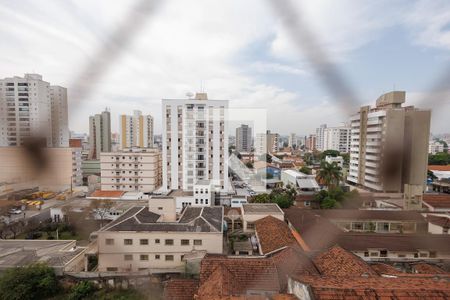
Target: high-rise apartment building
x=30 y=107
x=244 y=138
x=60 y=123
x=99 y=134
x=389 y=147
x=131 y=170
x=336 y=138
x=136 y=130
x=272 y=142
x=194 y=142
x=261 y=143
x=292 y=140
x=320 y=135
x=310 y=142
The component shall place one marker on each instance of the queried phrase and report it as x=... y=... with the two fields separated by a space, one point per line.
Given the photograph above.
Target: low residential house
x=153 y=238
x=436 y=202
x=251 y=212
x=438 y=224
x=316 y=233
x=380 y=221
x=63 y=256
x=343 y=275
x=303 y=182
x=272 y=235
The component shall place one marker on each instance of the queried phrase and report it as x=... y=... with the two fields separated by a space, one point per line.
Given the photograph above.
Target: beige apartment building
x=136 y=130
x=151 y=238
x=61 y=170
x=389 y=147
x=130 y=170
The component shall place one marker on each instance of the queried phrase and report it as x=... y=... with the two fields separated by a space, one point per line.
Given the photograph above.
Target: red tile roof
x=385 y=269
x=439 y=167
x=437 y=200
x=246 y=274
x=444 y=222
x=107 y=194
x=180 y=289
x=375 y=287
x=292 y=261
x=339 y=262
x=424 y=268
x=273 y=234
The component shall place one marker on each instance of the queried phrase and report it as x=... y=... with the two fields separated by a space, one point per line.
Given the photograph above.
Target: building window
x=157 y=241
x=383 y=253
x=128 y=257
x=143 y=257
x=157 y=256
x=184 y=242
x=169 y=257
x=143 y=241
x=250 y=225
x=111 y=269
x=374 y=254
x=109 y=242
x=366 y=254
x=128 y=242
x=168 y=242
x=197 y=242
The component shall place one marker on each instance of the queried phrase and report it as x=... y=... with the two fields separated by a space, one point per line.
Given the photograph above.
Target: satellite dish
x=189 y=95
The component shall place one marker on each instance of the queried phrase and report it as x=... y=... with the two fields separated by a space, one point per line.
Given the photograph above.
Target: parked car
x=15 y=211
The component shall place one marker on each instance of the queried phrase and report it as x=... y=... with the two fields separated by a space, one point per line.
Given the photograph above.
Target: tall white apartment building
x=261 y=143
x=136 y=130
x=337 y=138
x=194 y=142
x=320 y=136
x=60 y=118
x=244 y=138
x=389 y=147
x=292 y=140
x=133 y=170
x=26 y=109
x=99 y=134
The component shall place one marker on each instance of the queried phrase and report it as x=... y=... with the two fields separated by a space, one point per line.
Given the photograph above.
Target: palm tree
x=330 y=174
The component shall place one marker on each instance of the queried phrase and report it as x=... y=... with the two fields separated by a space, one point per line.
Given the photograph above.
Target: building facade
x=336 y=138
x=30 y=107
x=131 y=170
x=310 y=142
x=389 y=145
x=244 y=138
x=435 y=147
x=150 y=238
x=99 y=134
x=136 y=130
x=320 y=136
x=60 y=118
x=194 y=142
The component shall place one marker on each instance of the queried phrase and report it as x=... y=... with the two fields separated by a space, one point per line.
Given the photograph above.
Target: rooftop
x=107 y=194
x=338 y=262
x=15 y=253
x=261 y=208
x=439 y=168
x=193 y=219
x=180 y=193
x=437 y=200
x=180 y=289
x=439 y=221
x=273 y=234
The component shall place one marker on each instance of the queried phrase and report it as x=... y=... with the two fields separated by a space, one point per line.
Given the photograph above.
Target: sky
x=126 y=55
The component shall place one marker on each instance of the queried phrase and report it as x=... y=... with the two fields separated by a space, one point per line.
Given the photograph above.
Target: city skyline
x=247 y=66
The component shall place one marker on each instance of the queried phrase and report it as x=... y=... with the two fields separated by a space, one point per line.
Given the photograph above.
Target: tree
x=330 y=174
x=431 y=175
x=36 y=281
x=440 y=158
x=261 y=198
x=101 y=208
x=305 y=170
x=333 y=153
x=346 y=158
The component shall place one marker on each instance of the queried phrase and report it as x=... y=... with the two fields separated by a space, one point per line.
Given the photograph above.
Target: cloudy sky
x=128 y=56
